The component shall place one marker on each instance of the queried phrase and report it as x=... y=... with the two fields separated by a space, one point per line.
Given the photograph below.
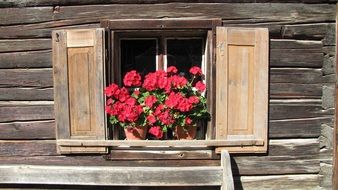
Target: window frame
x=258 y=145
x=121 y=28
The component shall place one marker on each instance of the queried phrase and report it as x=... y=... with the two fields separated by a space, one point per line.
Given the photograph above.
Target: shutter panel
x=242 y=86
x=79 y=80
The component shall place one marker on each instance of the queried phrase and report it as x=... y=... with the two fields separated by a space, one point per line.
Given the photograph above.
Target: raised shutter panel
x=79 y=80
x=242 y=86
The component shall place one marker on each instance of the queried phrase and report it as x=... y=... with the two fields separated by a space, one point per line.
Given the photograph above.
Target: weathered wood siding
x=302 y=78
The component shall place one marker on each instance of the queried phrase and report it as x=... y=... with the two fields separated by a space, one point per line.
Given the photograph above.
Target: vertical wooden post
x=228 y=181
x=335 y=147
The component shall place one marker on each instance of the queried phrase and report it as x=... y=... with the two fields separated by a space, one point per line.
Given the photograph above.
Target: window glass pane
x=184 y=53
x=139 y=55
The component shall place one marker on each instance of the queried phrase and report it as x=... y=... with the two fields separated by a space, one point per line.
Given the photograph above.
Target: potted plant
x=162 y=101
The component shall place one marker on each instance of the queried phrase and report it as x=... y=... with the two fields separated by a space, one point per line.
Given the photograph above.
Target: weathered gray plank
x=24 y=45
x=282 y=182
x=279 y=110
x=292 y=58
x=312 y=45
x=306 y=31
x=26 y=112
x=275 y=165
x=297 y=128
x=29 y=3
x=97 y=160
x=296 y=75
x=41 y=30
x=28 y=130
x=120 y=176
x=27 y=148
x=279 y=13
x=30 y=59
x=26 y=94
x=289 y=147
x=290 y=90
x=26 y=78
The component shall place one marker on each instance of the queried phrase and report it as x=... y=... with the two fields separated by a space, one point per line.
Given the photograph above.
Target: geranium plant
x=160 y=101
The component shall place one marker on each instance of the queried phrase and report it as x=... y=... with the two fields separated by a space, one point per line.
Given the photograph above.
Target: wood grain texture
x=27 y=130
x=26 y=94
x=283 y=182
x=41 y=78
x=242 y=84
x=26 y=113
x=227 y=182
x=30 y=3
x=119 y=176
x=252 y=13
x=79 y=80
x=335 y=136
x=26 y=59
x=24 y=45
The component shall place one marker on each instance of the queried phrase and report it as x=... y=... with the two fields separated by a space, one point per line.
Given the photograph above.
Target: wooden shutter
x=242 y=86
x=78 y=65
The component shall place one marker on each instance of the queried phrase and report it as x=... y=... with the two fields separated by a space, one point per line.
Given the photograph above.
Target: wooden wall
x=302 y=78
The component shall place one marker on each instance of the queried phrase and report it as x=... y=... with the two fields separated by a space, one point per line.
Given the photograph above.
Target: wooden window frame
x=169 y=25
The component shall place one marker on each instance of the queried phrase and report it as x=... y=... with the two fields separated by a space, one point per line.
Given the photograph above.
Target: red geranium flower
x=132 y=78
x=150 y=100
x=151 y=119
x=195 y=70
x=111 y=89
x=194 y=100
x=156 y=131
x=200 y=86
x=188 y=121
x=172 y=69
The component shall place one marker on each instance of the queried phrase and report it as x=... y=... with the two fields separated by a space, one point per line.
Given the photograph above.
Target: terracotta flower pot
x=135 y=133
x=186 y=133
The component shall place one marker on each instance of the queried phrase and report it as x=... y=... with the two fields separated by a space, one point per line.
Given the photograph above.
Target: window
x=152 y=50
x=234 y=59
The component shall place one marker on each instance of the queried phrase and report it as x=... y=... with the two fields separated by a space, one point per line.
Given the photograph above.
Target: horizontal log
x=282 y=182
x=301 y=58
x=297 y=128
x=41 y=30
x=103 y=175
x=283 y=13
x=26 y=94
x=299 y=91
x=305 y=31
x=32 y=3
x=294 y=110
x=98 y=160
x=313 y=45
x=41 y=78
x=30 y=59
x=296 y=75
x=24 y=45
x=27 y=148
x=275 y=165
x=28 y=130
x=26 y=113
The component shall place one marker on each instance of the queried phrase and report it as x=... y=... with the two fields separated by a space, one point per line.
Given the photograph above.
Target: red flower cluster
x=132 y=78
x=195 y=71
x=164 y=100
x=121 y=105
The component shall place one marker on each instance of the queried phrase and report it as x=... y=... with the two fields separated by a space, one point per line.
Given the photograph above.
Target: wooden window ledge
x=121 y=176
